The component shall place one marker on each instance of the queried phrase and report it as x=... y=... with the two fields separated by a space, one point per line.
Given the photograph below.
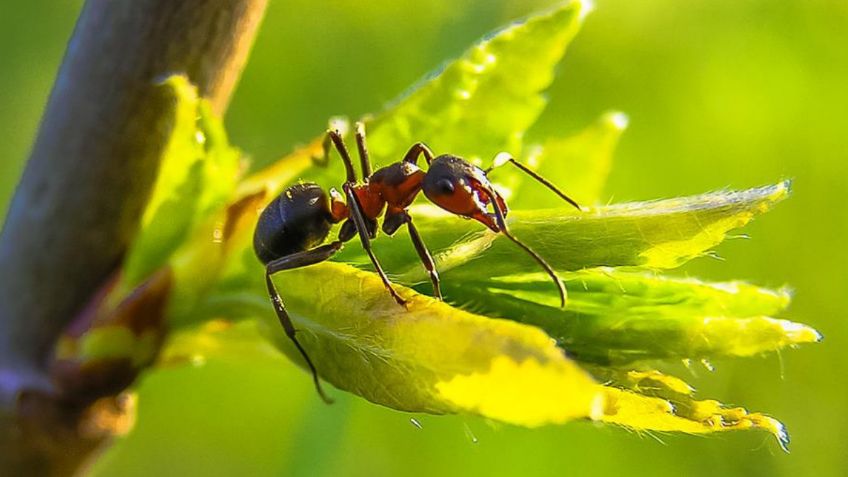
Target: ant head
x=463 y=189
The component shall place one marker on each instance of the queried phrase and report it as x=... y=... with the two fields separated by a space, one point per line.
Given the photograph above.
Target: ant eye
x=445 y=186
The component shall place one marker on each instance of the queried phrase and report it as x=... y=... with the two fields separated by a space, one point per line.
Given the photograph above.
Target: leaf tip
x=782 y=437
x=582 y=8
x=775 y=428
x=780 y=191
x=799 y=333
x=170 y=78
x=616 y=120
x=585 y=7
x=177 y=83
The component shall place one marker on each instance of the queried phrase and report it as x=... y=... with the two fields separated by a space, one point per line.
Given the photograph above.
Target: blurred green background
x=720 y=93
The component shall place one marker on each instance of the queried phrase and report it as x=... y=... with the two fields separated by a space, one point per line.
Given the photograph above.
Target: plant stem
x=94 y=163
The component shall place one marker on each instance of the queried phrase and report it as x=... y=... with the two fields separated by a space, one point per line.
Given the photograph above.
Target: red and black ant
x=293 y=226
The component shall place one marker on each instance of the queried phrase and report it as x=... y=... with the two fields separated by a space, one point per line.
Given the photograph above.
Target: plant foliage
x=500 y=347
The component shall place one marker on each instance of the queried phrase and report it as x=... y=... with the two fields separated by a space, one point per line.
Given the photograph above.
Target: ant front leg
x=298 y=260
x=394 y=221
x=358 y=219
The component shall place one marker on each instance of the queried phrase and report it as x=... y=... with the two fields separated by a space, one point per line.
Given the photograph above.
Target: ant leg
x=501 y=220
x=334 y=138
x=424 y=255
x=363 y=149
x=359 y=221
x=298 y=260
x=419 y=148
x=395 y=218
x=504 y=157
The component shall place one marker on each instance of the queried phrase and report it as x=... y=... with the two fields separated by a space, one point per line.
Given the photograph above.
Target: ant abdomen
x=297 y=220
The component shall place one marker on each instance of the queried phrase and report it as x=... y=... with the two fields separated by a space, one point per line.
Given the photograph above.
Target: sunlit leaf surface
x=655 y=234
x=481 y=103
x=616 y=317
x=431 y=357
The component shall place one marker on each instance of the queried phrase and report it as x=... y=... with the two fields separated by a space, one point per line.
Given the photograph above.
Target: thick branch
x=95 y=159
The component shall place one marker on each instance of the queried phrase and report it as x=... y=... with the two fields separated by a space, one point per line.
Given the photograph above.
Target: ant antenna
x=334 y=137
x=499 y=215
x=505 y=157
x=363 y=149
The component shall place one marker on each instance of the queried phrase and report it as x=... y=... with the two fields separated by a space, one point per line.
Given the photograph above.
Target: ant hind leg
x=298 y=260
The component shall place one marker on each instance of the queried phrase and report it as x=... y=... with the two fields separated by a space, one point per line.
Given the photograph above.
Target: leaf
x=481 y=103
x=618 y=317
x=644 y=413
x=430 y=358
x=477 y=106
x=647 y=400
x=197 y=175
x=656 y=234
x=362 y=344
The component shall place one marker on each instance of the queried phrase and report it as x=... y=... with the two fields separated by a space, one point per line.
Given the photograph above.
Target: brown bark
x=93 y=165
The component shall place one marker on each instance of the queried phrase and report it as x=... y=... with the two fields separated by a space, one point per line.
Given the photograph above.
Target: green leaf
x=640 y=412
x=656 y=234
x=648 y=400
x=481 y=103
x=618 y=317
x=197 y=175
x=430 y=357
x=438 y=359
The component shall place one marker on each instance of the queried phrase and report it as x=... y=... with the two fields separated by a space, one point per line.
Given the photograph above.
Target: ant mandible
x=293 y=226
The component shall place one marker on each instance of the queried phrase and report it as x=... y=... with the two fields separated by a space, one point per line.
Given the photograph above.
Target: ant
x=293 y=226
